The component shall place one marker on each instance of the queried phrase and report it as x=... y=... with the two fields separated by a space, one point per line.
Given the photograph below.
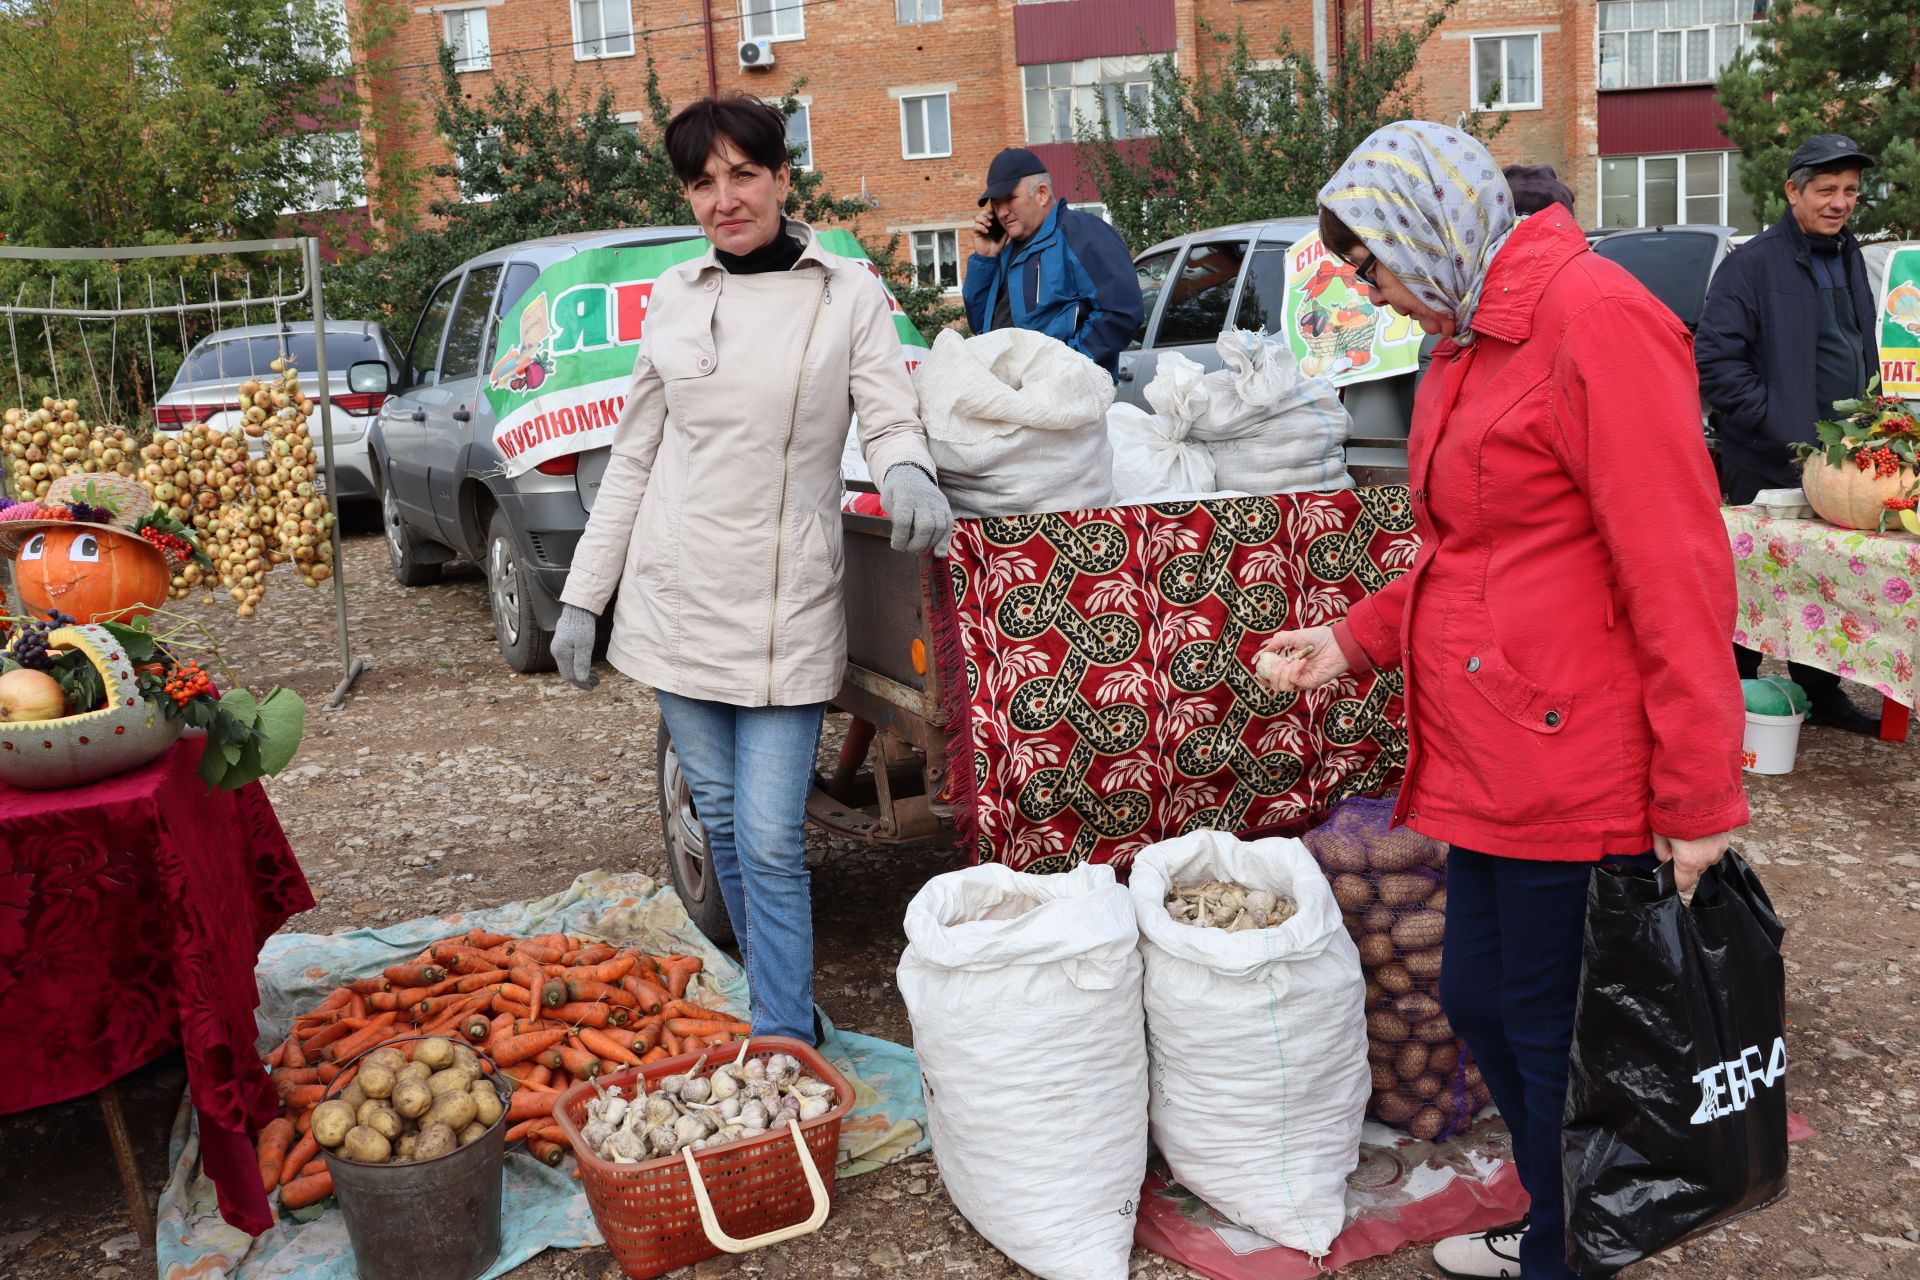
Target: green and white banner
x=1900 y=323
x=1334 y=330
x=565 y=352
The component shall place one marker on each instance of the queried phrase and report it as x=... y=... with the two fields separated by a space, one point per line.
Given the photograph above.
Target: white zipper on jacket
x=786 y=471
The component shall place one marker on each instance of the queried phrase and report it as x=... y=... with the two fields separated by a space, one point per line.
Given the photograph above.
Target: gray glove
x=922 y=520
x=573 y=642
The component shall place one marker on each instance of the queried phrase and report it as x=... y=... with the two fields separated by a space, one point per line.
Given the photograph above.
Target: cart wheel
x=688 y=860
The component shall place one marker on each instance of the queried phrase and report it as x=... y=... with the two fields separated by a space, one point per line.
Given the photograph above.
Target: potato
x=435 y=1140
x=1377 y=996
x=416 y=1071
x=1428 y=1124
x=1337 y=852
x=412 y=1098
x=353 y=1095
x=1419 y=930
x=435 y=1051
x=1424 y=965
x=1381 y=1051
x=1443 y=1057
x=366 y=1146
x=1432 y=1031
x=1375 y=949
x=1416 y=1007
x=1391 y=1027
x=1384 y=1076
x=331 y=1120
x=376 y=1080
x=1404 y=888
x=1400 y=850
x=467 y=1060
x=1352 y=892
x=473 y=1133
x=1395 y=1107
x=454 y=1110
x=1426 y=1087
x=1392 y=976
x=1439 y=899
x=388 y=1056
x=1473 y=1077
x=403 y=1149
x=1378 y=919
x=486 y=1103
x=1411 y=1061
x=382 y=1119
x=452 y=1080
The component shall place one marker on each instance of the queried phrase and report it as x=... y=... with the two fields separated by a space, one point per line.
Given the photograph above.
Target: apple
x=27 y=695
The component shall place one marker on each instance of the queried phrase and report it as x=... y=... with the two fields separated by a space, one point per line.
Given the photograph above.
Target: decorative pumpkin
x=90 y=573
x=125 y=733
x=1849 y=497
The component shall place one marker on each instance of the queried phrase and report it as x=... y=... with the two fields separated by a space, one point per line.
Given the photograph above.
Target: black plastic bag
x=1676 y=1116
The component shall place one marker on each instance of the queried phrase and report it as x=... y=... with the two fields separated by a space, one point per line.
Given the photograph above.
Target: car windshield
x=1674 y=265
x=230 y=358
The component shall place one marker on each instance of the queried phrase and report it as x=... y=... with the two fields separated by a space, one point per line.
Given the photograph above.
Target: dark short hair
x=1336 y=235
x=696 y=130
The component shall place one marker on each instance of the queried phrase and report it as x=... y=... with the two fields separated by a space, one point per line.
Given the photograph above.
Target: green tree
x=1832 y=66
x=529 y=162
x=1236 y=138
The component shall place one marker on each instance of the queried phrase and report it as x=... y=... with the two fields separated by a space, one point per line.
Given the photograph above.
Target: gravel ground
x=448 y=782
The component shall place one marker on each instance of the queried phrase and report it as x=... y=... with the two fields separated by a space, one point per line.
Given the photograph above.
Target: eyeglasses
x=1364 y=272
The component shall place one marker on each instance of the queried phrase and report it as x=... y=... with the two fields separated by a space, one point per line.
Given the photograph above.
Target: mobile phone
x=994 y=230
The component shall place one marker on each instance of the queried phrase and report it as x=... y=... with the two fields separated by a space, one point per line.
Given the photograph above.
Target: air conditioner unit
x=756 y=55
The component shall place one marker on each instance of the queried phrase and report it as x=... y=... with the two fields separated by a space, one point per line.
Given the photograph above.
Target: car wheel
x=689 y=860
x=410 y=569
x=516 y=629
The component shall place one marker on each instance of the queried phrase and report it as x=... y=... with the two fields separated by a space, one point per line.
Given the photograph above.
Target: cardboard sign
x=1900 y=323
x=1334 y=331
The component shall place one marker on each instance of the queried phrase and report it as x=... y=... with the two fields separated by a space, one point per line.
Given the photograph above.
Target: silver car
x=207 y=387
x=443 y=489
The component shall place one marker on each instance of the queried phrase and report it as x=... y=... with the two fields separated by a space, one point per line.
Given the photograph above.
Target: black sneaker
x=1484 y=1255
x=1837 y=711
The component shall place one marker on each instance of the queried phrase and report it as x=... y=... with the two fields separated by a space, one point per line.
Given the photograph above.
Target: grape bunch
x=29 y=647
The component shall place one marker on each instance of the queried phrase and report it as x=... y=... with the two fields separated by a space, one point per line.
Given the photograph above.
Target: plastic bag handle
x=721 y=1240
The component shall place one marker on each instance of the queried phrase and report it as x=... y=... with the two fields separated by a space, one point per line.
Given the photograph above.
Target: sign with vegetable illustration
x=1900 y=323
x=565 y=350
x=1334 y=331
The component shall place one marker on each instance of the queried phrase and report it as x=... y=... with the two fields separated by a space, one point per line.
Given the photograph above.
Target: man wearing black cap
x=1788 y=329
x=1072 y=277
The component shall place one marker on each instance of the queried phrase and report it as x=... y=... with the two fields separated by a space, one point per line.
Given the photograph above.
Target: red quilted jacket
x=1565 y=631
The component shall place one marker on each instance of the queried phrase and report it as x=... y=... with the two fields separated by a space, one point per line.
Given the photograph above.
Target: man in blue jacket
x=1788 y=329
x=1072 y=277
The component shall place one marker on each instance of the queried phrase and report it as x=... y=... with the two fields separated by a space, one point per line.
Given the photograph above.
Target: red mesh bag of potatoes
x=1391 y=884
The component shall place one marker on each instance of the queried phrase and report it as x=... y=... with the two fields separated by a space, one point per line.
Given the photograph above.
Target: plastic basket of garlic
x=1220 y=905
x=719 y=1152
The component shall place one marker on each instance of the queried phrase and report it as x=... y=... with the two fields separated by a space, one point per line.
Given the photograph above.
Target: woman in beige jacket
x=718 y=521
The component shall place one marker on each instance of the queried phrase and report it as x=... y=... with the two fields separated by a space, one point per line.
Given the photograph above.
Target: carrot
x=336 y=999
x=670 y=1042
x=377 y=1028
x=551 y=1059
x=521 y=1130
x=303 y=1122
x=538 y=954
x=304 y=1150
x=528 y=1103
x=518 y=1049
x=503 y=1003
x=703 y=1027
x=306 y=1191
x=527 y=977
x=474 y=981
x=590 y=955
x=548 y=1153
x=367 y=986
x=312 y=1167
x=286 y=1077
x=356 y=1006
x=679 y=971
x=295 y=1057
x=517 y=993
x=551 y=1133
x=698 y=1012
x=611 y=970
x=328 y=1035
x=647 y=996
x=275 y=1140
x=586 y=992
x=653 y=1055
x=647 y=1036
x=588 y=1015
x=487 y=941
x=414 y=975
x=301 y=1096
x=583 y=1065
x=597 y=1043
x=475 y=1027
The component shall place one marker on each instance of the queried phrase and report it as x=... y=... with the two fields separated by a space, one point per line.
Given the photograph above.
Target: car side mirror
x=370 y=377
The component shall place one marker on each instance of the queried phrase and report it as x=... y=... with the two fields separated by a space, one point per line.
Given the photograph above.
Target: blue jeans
x=750 y=769
x=1509 y=978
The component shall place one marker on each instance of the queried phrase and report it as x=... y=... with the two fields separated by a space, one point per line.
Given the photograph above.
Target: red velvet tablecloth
x=132 y=912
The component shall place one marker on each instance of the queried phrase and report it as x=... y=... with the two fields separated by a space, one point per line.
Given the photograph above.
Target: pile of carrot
x=545 y=1012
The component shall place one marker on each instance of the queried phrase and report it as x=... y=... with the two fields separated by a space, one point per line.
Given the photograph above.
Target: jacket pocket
x=1492 y=677
x=828 y=554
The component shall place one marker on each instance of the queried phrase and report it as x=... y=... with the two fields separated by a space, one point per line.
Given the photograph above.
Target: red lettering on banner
x=630 y=309
x=1899 y=370
x=610 y=410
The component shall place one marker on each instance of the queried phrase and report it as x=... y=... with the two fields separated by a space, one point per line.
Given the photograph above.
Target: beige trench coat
x=718 y=520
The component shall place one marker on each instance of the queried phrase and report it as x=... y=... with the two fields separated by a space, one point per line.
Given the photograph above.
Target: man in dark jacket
x=1788 y=329
x=1073 y=278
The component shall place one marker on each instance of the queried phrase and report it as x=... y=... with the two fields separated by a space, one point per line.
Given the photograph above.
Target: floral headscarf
x=1430 y=202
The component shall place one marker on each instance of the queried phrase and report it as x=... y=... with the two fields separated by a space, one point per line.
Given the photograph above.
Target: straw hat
x=106 y=500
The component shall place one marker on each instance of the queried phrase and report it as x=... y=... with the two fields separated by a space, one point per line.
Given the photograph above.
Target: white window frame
x=920 y=9
x=465 y=196
x=1729 y=174
x=1094 y=207
x=579 y=44
x=1479 y=102
x=1707 y=29
x=480 y=59
x=1087 y=86
x=353 y=161
x=922 y=98
x=778 y=11
x=805 y=114
x=935 y=229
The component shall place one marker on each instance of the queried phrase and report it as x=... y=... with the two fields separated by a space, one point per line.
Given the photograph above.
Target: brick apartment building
x=906 y=101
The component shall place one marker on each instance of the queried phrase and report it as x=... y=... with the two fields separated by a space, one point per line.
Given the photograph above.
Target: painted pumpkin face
x=93 y=575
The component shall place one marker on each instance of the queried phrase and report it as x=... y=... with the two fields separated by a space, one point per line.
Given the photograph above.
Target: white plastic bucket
x=1771 y=742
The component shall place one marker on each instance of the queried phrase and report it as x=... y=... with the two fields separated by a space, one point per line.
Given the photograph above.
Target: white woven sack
x=1258 y=373
x=1024 y=992
x=1258 y=1040
x=1152 y=460
x=1178 y=392
x=1299 y=445
x=1016 y=422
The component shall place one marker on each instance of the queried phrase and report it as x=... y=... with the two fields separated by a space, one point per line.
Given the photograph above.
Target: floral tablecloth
x=1838 y=599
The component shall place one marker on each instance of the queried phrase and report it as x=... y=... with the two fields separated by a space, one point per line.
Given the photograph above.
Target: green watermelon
x=1774 y=696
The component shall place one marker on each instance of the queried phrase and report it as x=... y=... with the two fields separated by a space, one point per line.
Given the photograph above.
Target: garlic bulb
x=814 y=1107
x=1234 y=908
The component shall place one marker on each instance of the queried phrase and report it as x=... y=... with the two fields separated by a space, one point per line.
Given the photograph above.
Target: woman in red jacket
x=1563 y=633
